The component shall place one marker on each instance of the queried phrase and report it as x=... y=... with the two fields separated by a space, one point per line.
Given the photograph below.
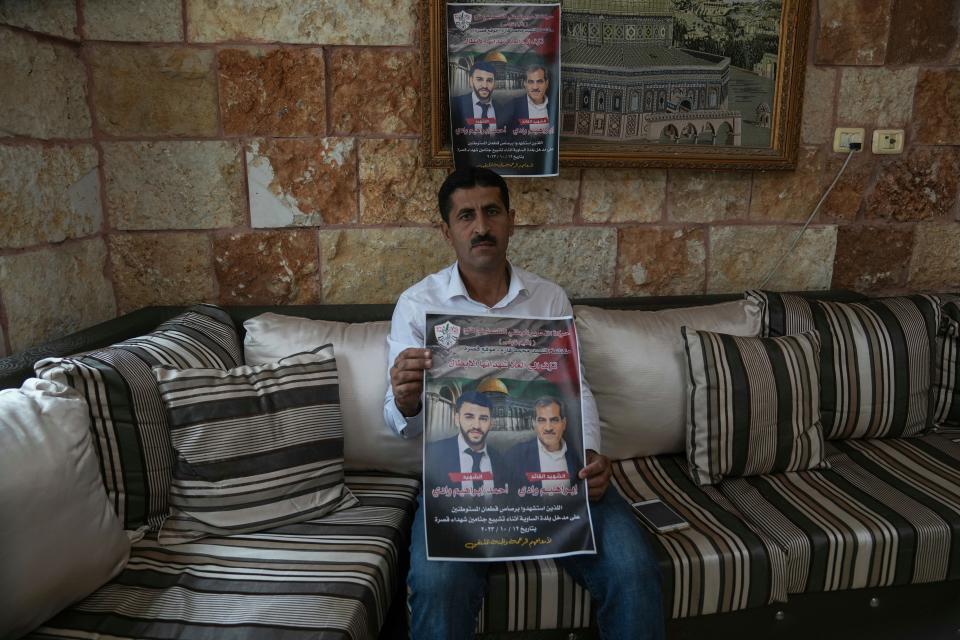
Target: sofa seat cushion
x=334 y=577
x=720 y=563
x=886 y=513
x=950 y=433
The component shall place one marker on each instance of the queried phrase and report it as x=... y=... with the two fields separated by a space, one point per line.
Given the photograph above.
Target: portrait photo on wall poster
x=504 y=74
x=684 y=83
x=503 y=440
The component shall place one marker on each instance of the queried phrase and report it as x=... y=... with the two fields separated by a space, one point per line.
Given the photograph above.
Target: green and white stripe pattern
x=255 y=447
x=128 y=418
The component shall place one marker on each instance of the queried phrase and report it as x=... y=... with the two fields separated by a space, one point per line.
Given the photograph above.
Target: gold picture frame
x=659 y=121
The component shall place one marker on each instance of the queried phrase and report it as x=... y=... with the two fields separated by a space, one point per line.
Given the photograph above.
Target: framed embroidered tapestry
x=714 y=84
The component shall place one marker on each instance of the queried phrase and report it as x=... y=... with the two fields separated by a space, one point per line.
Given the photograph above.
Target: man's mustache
x=484 y=238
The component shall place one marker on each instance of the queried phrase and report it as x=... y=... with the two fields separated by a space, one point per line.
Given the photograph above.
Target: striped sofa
x=334 y=577
x=880 y=525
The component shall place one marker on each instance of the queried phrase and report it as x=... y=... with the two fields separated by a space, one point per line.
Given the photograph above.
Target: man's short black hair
x=530 y=68
x=467 y=178
x=483 y=65
x=474 y=397
x=546 y=401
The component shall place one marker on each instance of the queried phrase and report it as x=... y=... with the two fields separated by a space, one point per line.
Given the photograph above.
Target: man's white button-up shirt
x=444 y=292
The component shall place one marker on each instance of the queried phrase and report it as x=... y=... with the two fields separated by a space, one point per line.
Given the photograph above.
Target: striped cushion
x=886 y=513
x=626 y=386
x=532 y=595
x=127 y=415
x=256 y=447
x=875 y=360
x=720 y=563
x=946 y=390
x=334 y=577
x=754 y=404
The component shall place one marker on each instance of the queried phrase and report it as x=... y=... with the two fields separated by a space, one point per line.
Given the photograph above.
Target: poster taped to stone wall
x=503 y=440
x=504 y=79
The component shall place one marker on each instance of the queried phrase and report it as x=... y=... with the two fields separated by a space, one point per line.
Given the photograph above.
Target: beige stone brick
x=935 y=264
x=876 y=98
x=347 y=22
x=161 y=268
x=154 y=91
x=279 y=92
x=133 y=20
x=300 y=183
x=706 y=196
x=819 y=91
x=661 y=261
x=790 y=195
x=394 y=186
x=741 y=256
x=581 y=260
x=623 y=195
x=174 y=185
x=51 y=292
x=48 y=194
x=846 y=198
x=44 y=89
x=272 y=267
x=545 y=200
x=374 y=91
x=53 y=17
x=377 y=265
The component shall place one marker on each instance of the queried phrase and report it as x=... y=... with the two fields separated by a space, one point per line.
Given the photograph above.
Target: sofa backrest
x=18 y=367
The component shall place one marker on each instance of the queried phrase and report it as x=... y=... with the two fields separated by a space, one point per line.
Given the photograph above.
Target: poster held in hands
x=503 y=440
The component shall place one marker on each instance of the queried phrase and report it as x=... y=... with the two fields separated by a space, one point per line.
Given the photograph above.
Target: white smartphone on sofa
x=659 y=516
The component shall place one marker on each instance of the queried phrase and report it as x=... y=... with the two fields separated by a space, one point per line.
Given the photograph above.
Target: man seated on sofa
x=548 y=453
x=467 y=452
x=623 y=577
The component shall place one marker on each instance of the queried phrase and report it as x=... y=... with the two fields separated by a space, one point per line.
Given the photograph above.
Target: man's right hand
x=406 y=379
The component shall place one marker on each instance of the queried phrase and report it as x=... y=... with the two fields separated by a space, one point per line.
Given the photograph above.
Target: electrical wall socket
x=844 y=136
x=888 y=141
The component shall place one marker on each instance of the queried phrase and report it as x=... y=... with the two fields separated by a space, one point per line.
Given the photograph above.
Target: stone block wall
x=173 y=151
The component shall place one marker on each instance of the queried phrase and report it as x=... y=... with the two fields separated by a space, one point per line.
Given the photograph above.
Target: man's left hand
x=597 y=473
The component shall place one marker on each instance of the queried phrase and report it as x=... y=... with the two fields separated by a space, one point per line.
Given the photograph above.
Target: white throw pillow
x=635 y=364
x=361 y=351
x=60 y=539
